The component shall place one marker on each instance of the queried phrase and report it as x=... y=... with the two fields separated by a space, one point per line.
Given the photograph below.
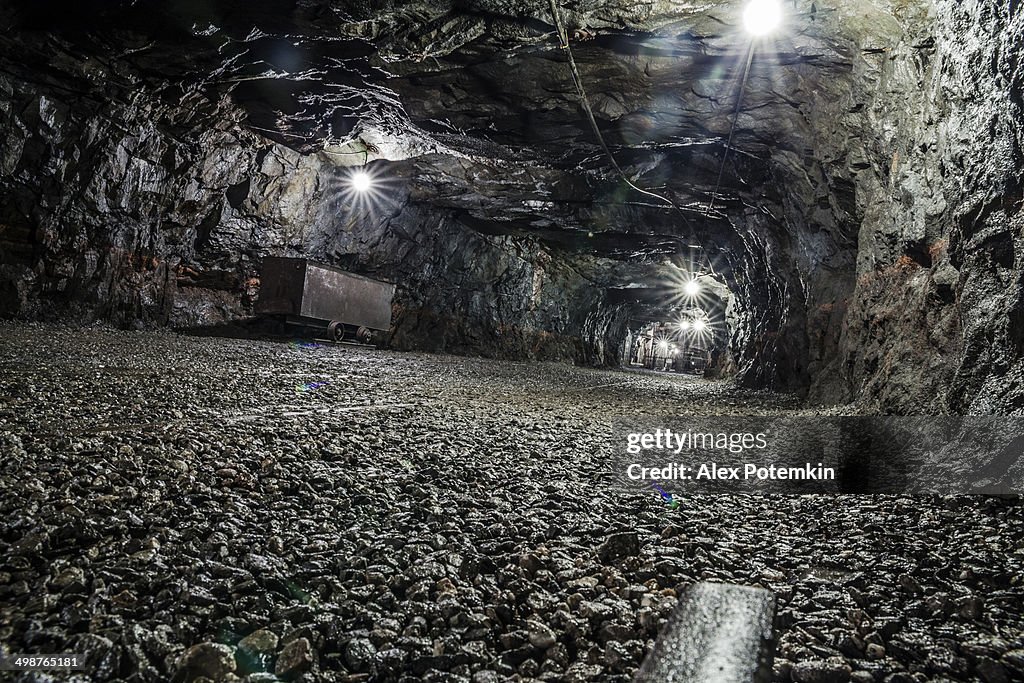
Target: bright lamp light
x=361 y=181
x=691 y=288
x=700 y=325
x=685 y=325
x=761 y=17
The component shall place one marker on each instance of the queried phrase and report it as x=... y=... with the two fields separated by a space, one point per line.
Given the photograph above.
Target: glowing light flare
x=362 y=193
x=687 y=283
x=361 y=181
x=762 y=17
x=695 y=325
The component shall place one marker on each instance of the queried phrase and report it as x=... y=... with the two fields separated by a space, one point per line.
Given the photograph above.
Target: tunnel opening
x=684 y=326
x=679 y=347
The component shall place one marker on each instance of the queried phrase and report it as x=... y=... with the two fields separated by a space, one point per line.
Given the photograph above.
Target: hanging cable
x=732 y=128
x=563 y=39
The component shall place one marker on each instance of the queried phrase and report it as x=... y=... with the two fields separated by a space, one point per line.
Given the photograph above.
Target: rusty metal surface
x=718 y=633
x=281 y=286
x=312 y=290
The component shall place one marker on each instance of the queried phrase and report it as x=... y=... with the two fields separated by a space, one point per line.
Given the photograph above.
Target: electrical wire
x=732 y=128
x=563 y=39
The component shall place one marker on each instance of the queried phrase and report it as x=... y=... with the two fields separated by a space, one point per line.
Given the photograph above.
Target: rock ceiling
x=475 y=103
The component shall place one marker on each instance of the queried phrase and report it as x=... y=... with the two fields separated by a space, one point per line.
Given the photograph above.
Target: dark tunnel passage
x=153 y=156
x=560 y=234
x=473 y=181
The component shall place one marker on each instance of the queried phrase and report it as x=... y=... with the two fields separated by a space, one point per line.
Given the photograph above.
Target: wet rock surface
x=179 y=508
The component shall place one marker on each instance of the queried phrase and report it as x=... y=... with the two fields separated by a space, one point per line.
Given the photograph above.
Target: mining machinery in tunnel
x=490 y=341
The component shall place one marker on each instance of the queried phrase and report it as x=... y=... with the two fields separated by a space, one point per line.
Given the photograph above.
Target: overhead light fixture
x=361 y=181
x=684 y=325
x=692 y=289
x=762 y=17
x=700 y=325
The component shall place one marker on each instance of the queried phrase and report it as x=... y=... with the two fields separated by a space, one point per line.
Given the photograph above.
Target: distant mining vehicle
x=303 y=293
x=692 y=361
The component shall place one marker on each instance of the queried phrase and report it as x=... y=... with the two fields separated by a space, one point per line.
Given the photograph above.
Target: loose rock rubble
x=174 y=508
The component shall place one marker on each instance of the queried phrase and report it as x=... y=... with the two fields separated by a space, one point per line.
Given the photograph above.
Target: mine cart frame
x=300 y=292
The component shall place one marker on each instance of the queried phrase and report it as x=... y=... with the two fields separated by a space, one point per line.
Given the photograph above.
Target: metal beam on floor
x=718 y=633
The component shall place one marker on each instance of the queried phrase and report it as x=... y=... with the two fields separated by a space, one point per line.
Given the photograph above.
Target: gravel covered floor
x=181 y=507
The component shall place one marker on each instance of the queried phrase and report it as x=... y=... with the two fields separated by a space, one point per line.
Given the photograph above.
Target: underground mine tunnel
x=486 y=341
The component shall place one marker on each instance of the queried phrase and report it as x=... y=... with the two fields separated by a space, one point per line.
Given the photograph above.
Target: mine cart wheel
x=336 y=331
x=364 y=335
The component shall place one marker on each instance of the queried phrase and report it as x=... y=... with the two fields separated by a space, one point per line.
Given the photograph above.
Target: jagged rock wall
x=117 y=213
x=124 y=213
x=462 y=290
x=933 y=321
x=769 y=334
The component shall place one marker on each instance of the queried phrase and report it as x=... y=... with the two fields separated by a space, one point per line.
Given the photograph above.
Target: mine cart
x=300 y=292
